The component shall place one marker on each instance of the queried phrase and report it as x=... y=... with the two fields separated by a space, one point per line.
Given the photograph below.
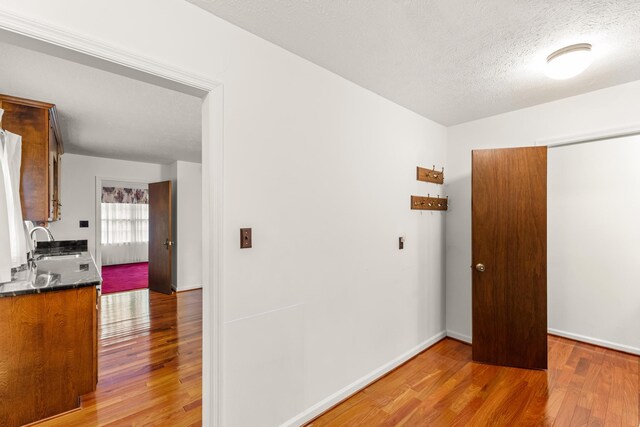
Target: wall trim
x=458 y=336
x=68 y=39
x=562 y=141
x=188 y=288
x=361 y=383
x=595 y=341
x=213 y=257
x=569 y=335
x=211 y=90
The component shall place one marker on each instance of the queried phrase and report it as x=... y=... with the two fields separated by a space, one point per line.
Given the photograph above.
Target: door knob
x=480 y=267
x=167 y=243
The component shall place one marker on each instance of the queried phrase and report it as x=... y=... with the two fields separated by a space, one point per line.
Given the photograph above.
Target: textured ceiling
x=104 y=114
x=451 y=61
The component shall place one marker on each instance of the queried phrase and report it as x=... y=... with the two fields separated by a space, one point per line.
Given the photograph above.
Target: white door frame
x=64 y=43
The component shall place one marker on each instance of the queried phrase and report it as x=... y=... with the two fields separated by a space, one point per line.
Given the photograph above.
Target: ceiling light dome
x=569 y=61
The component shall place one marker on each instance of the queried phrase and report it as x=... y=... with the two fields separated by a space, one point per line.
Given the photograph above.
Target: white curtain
x=13 y=242
x=5 y=237
x=125 y=233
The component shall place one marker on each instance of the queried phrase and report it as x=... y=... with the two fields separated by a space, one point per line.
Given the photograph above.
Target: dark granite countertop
x=54 y=270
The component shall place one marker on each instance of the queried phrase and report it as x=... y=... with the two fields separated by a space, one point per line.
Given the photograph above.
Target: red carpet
x=125 y=277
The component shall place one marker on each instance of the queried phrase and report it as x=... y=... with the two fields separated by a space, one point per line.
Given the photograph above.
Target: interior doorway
x=122 y=234
x=135 y=235
x=65 y=44
x=509 y=252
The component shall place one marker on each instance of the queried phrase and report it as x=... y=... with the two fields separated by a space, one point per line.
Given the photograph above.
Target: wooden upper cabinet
x=37 y=123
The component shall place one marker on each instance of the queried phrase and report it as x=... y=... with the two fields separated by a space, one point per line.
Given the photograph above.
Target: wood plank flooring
x=584 y=386
x=150 y=369
x=149 y=363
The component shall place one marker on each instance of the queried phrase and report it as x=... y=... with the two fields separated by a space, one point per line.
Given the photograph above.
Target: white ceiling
x=451 y=61
x=104 y=114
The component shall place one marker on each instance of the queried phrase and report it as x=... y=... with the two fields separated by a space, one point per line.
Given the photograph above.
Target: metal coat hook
x=430 y=203
x=430 y=175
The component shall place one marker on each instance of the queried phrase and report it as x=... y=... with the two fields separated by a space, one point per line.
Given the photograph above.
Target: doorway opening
x=202 y=340
x=124 y=235
x=136 y=232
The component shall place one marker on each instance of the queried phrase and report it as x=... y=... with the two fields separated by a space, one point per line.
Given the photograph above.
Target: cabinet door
x=57 y=183
x=53 y=160
x=55 y=155
x=32 y=124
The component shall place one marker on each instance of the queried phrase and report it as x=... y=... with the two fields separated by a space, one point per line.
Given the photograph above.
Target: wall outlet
x=84 y=224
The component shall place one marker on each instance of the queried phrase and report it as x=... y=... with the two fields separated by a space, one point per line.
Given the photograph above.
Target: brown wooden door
x=160 y=237
x=509 y=222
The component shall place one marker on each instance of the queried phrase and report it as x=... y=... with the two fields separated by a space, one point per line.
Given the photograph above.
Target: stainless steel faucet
x=30 y=255
x=46 y=230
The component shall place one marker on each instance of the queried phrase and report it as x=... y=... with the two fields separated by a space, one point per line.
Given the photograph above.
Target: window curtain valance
x=134 y=196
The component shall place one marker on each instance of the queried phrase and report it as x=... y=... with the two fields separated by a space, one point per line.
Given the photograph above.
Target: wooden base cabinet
x=37 y=123
x=47 y=353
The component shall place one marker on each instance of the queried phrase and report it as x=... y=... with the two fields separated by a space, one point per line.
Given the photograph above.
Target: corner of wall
x=356 y=386
x=458 y=336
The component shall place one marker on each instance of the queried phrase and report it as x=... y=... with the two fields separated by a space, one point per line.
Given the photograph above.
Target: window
x=124 y=223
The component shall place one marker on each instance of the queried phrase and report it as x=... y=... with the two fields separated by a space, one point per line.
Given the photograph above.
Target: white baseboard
x=459 y=336
x=361 y=383
x=571 y=336
x=596 y=341
x=188 y=288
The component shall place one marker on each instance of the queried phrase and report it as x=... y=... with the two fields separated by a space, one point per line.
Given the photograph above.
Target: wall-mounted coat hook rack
x=430 y=175
x=429 y=203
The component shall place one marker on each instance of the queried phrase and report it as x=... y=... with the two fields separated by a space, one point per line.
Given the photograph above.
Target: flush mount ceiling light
x=569 y=61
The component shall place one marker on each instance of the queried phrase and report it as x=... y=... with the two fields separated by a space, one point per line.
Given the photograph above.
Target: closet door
x=509 y=244
x=160 y=237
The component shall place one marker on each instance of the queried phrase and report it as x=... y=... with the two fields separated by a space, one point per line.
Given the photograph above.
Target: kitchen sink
x=73 y=255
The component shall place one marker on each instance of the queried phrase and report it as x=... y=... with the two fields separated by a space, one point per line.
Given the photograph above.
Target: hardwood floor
x=149 y=363
x=584 y=386
x=150 y=369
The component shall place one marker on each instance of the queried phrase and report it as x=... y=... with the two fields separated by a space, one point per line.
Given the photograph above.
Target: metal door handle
x=480 y=267
x=167 y=243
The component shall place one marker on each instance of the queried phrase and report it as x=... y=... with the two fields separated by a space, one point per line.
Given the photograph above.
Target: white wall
x=322 y=170
x=594 y=241
x=188 y=227
x=186 y=178
x=78 y=191
x=592 y=290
